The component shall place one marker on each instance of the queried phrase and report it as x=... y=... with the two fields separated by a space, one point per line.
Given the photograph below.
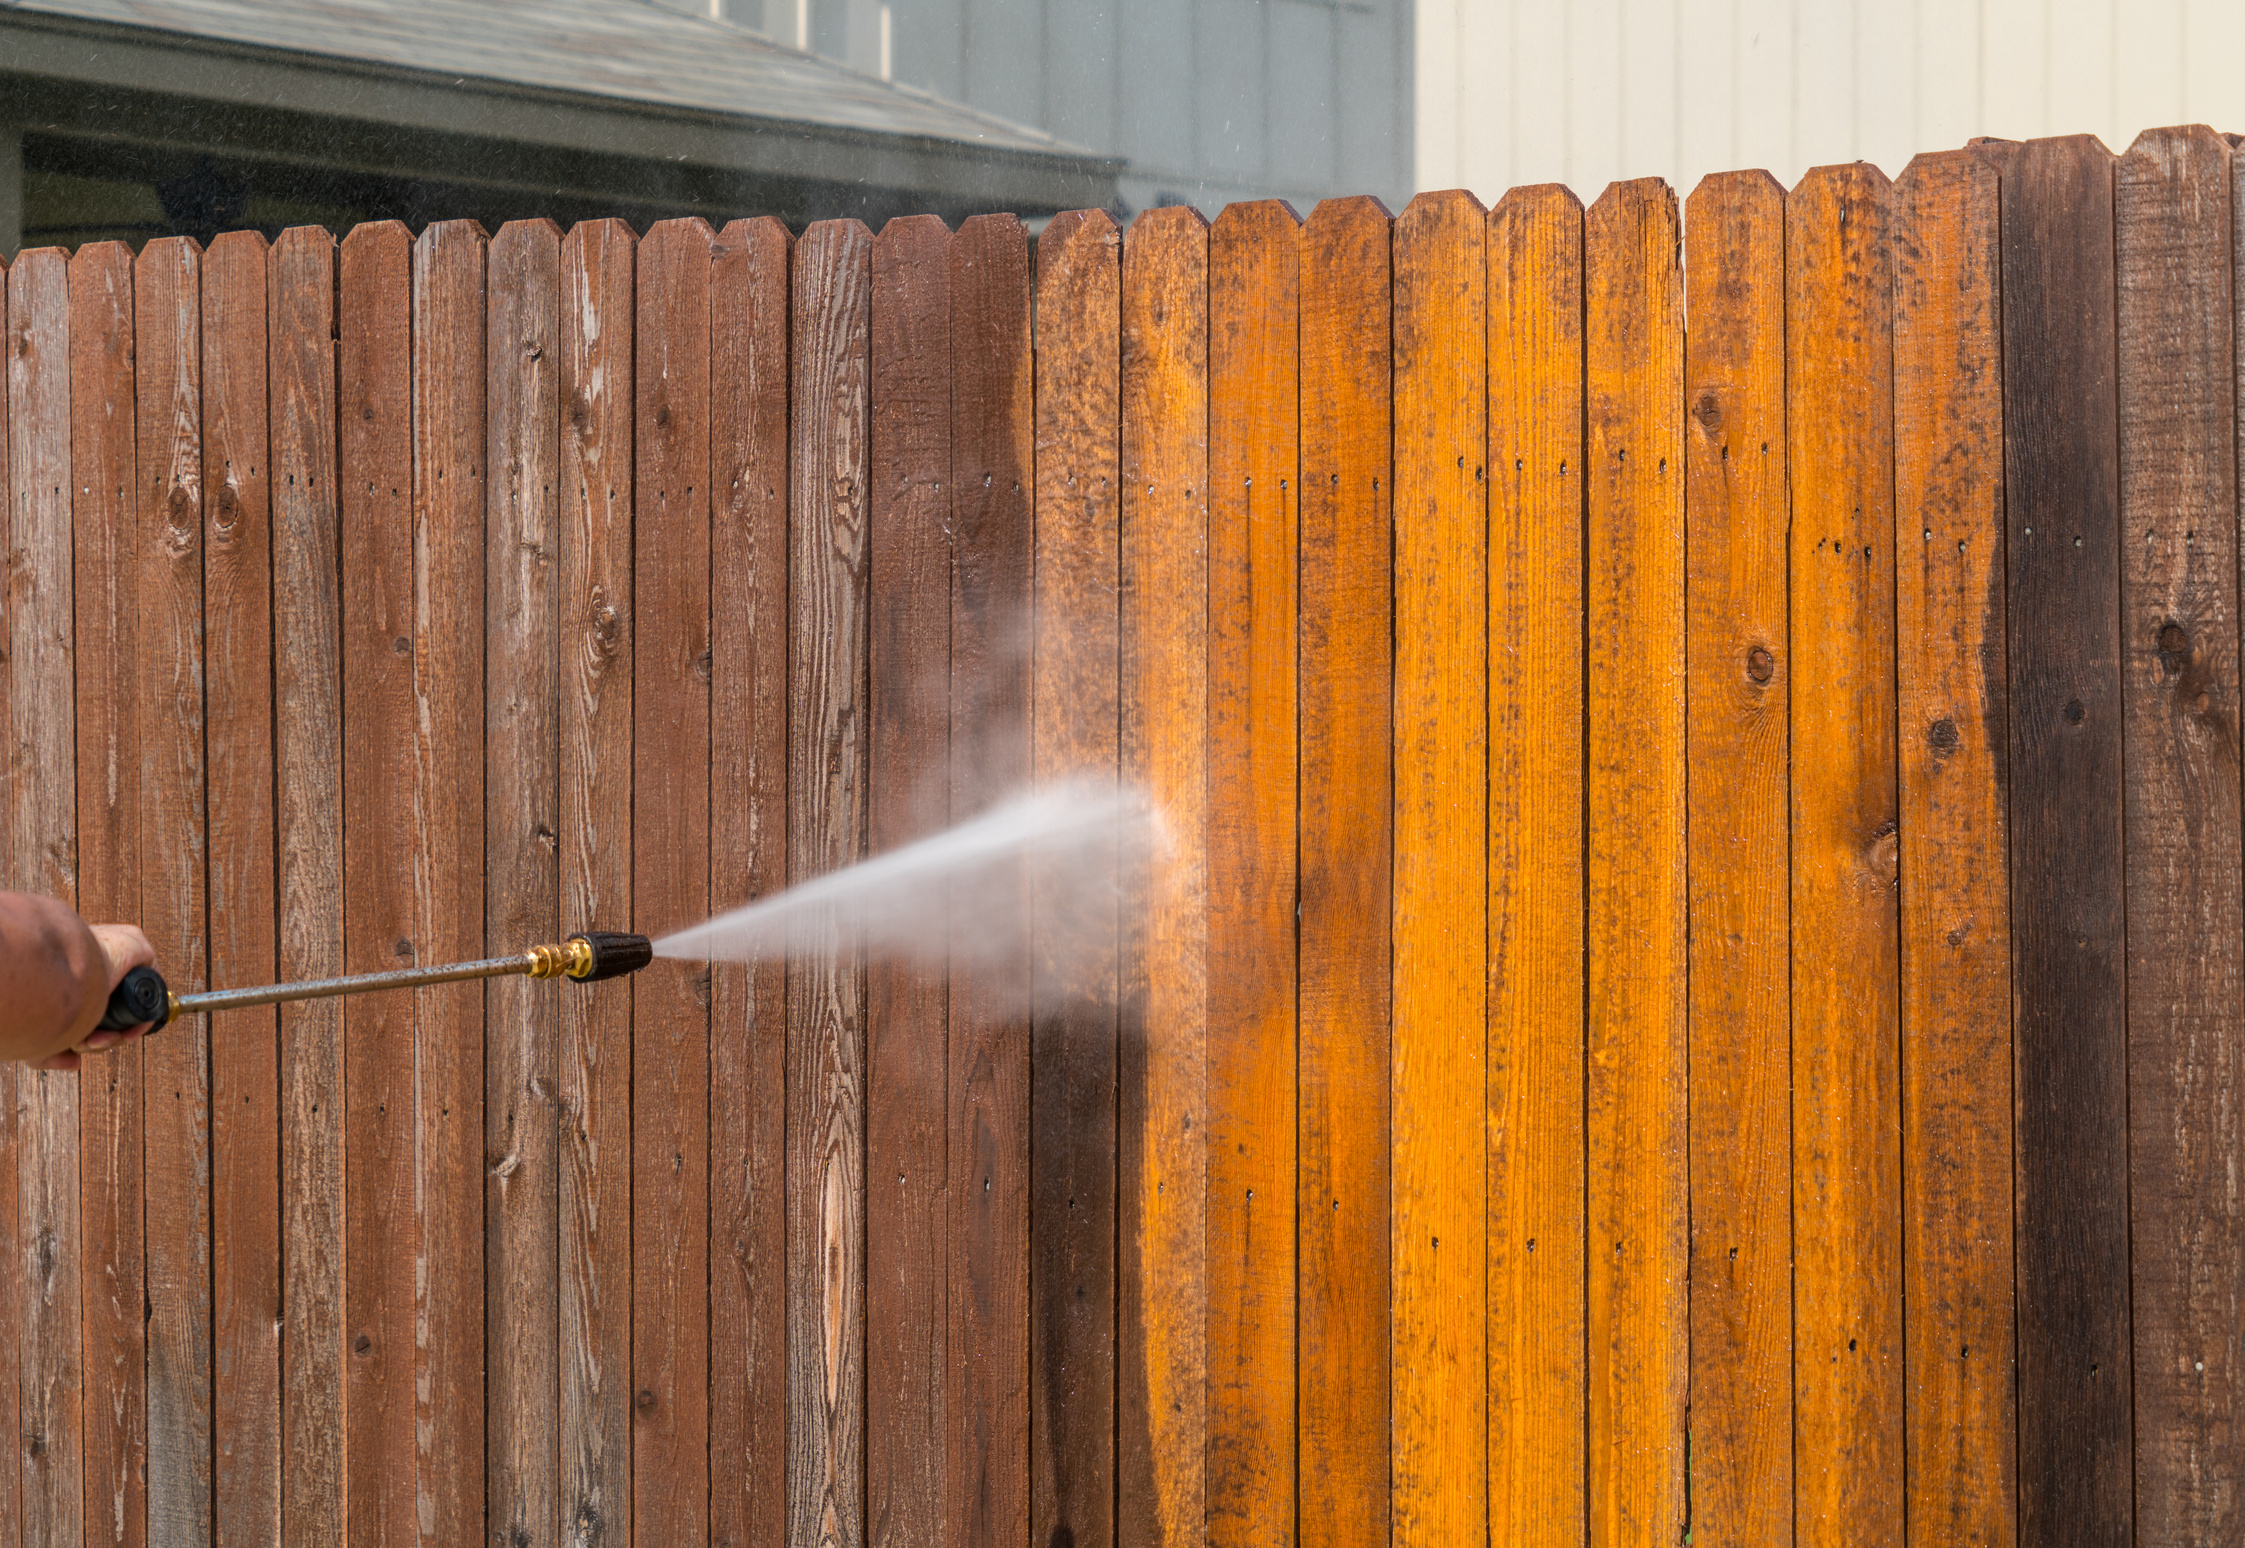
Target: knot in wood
x=1760 y=664
x=1943 y=736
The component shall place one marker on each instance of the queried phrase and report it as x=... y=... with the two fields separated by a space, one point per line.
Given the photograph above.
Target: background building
x=136 y=118
x=1587 y=91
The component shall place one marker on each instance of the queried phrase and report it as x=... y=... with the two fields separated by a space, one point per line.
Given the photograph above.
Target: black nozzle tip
x=614 y=953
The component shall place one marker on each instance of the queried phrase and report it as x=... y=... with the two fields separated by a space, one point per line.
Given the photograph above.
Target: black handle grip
x=141 y=996
x=614 y=953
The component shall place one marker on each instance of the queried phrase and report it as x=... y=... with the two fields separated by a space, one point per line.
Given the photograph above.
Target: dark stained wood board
x=2061 y=482
x=829 y=466
x=2176 y=303
x=1075 y=717
x=670 y=885
x=908 y=1104
x=748 y=858
x=992 y=446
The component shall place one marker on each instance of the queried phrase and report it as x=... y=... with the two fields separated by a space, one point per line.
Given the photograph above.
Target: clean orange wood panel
x=1636 y=1257
x=670 y=886
x=2173 y=227
x=986 y=1409
x=1254 y=416
x=1736 y=833
x=1162 y=1423
x=1346 y=819
x=105 y=637
x=1951 y=708
x=1441 y=900
x=828 y=529
x=307 y=709
x=1075 y=722
x=522 y=890
x=908 y=1095
x=376 y=750
x=42 y=831
x=1535 y=868
x=748 y=858
x=1847 y=1182
x=595 y=837
x=245 y=1182
x=166 y=545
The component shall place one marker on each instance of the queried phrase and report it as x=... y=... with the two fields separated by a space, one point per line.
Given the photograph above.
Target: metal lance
x=143 y=996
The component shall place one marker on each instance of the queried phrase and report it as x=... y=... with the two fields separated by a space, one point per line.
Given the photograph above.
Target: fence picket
x=748 y=858
x=828 y=472
x=2186 y=921
x=106 y=628
x=2061 y=482
x=308 y=802
x=1343 y=1383
x=166 y=570
x=1074 y=721
x=1741 y=672
x=521 y=820
x=1951 y=711
x=986 y=1409
x=908 y=1095
x=1635 y=900
x=1254 y=467
x=245 y=1090
x=1162 y=1295
x=1535 y=869
x=12 y=1076
x=671 y=671
x=1847 y=1193
x=596 y=634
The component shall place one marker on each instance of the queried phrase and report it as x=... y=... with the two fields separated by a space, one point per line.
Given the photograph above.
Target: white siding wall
x=1587 y=91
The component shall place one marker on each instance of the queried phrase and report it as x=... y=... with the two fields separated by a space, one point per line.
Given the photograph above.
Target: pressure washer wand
x=587 y=958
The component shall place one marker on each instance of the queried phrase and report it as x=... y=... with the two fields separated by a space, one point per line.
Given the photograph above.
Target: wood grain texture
x=748 y=858
x=1741 y=671
x=1847 y=1141
x=11 y=1241
x=1635 y=899
x=1961 y=1423
x=993 y=460
x=829 y=468
x=42 y=839
x=1162 y=1284
x=1343 y=1382
x=2061 y=482
x=670 y=887
x=168 y=672
x=376 y=749
x=1254 y=507
x=907 y=1080
x=450 y=444
x=245 y=1088
x=1441 y=899
x=595 y=728
x=1075 y=718
x=1535 y=840
x=308 y=790
x=2173 y=228
x=105 y=574
x=522 y=884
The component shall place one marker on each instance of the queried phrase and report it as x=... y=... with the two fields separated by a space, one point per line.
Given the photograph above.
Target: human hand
x=123 y=948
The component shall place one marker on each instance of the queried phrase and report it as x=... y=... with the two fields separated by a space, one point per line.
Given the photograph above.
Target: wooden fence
x=1695 y=987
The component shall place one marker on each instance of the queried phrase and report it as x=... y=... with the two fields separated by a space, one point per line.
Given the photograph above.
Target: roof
x=627 y=50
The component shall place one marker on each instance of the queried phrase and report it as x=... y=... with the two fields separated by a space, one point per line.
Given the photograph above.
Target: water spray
x=143 y=996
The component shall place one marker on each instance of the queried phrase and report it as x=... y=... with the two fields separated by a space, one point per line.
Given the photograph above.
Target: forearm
x=56 y=973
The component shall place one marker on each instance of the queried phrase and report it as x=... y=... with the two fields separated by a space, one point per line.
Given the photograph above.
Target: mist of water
x=1053 y=864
